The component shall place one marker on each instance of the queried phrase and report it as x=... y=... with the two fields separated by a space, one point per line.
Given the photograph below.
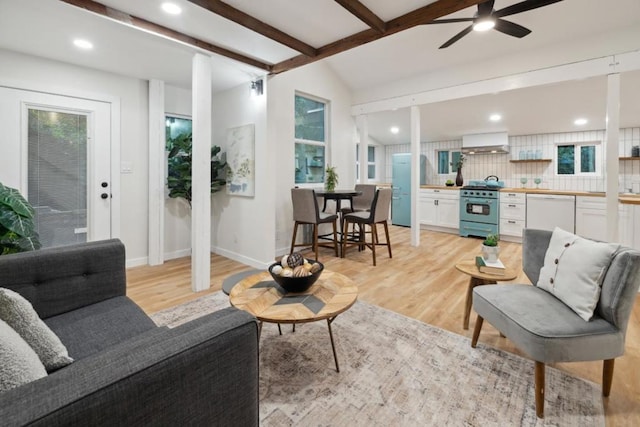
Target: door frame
x=114 y=103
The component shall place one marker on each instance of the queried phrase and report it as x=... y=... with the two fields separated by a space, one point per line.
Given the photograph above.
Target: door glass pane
x=57 y=175
x=566 y=160
x=371 y=171
x=588 y=159
x=371 y=152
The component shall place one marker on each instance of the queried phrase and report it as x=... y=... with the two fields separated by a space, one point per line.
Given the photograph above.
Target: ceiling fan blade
x=485 y=9
x=523 y=7
x=457 y=37
x=449 y=21
x=511 y=28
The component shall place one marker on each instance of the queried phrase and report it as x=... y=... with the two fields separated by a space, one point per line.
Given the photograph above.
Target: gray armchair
x=548 y=330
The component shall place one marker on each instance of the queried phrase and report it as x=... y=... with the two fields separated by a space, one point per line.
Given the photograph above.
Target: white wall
x=177 y=214
x=64 y=79
x=319 y=80
x=243 y=228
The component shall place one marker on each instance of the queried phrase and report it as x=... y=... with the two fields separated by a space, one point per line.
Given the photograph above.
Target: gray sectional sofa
x=127 y=371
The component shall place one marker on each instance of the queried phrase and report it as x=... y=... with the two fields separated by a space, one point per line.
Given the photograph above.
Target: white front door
x=57 y=151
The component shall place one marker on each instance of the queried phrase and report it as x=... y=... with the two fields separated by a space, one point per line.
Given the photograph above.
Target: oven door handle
x=477 y=201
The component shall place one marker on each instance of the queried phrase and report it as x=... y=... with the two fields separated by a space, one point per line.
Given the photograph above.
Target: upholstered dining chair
x=379 y=214
x=306 y=211
x=363 y=202
x=548 y=320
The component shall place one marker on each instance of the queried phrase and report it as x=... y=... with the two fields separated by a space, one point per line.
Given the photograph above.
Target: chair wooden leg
x=335 y=238
x=476 y=331
x=293 y=240
x=386 y=233
x=315 y=239
x=607 y=376
x=539 y=391
x=374 y=233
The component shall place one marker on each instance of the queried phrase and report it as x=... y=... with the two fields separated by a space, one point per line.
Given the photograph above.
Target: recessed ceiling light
x=394 y=129
x=171 y=8
x=580 y=122
x=495 y=117
x=83 y=44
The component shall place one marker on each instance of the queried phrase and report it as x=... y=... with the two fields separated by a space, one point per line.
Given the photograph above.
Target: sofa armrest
x=61 y=279
x=204 y=372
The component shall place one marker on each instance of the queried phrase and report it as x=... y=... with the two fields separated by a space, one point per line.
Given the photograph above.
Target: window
x=578 y=159
x=447 y=161
x=310 y=140
x=371 y=162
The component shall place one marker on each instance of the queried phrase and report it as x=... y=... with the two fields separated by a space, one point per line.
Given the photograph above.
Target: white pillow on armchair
x=573 y=270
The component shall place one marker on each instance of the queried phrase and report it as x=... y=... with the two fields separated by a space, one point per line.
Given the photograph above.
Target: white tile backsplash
x=482 y=165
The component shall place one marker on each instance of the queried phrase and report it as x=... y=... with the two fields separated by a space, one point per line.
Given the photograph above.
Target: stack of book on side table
x=490 y=267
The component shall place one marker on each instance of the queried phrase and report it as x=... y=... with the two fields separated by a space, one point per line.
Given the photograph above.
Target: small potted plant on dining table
x=490 y=248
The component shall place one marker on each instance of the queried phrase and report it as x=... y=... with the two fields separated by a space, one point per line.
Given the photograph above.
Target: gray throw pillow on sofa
x=20 y=315
x=19 y=364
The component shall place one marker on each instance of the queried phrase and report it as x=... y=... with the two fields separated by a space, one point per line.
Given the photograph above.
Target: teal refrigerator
x=401 y=185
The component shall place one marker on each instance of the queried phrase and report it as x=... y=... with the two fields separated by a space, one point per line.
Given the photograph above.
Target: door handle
x=104 y=196
x=104 y=184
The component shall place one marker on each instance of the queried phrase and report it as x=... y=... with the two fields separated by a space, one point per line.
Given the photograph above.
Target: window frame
x=450 y=155
x=307 y=142
x=577 y=165
x=370 y=163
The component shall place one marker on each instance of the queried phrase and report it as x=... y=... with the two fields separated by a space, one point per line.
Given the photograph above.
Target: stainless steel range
x=479 y=209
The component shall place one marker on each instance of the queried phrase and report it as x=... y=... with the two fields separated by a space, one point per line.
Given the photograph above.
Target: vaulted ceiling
x=370 y=44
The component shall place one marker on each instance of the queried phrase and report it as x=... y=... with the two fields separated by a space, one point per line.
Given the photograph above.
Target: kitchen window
x=310 y=139
x=578 y=159
x=446 y=159
x=371 y=162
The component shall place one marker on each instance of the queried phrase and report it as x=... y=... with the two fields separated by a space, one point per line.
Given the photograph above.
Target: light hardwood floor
x=418 y=282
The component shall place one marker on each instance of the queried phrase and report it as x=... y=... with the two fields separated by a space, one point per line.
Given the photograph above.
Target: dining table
x=338 y=196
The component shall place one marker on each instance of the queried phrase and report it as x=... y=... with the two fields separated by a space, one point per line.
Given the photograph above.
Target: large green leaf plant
x=17 y=229
x=180 y=165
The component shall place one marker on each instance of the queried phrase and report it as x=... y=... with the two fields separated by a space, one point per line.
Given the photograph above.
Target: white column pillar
x=157 y=163
x=201 y=174
x=611 y=170
x=415 y=175
x=363 y=155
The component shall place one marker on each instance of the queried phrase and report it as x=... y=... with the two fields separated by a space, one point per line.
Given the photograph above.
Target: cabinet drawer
x=587 y=202
x=511 y=227
x=439 y=194
x=513 y=211
x=518 y=198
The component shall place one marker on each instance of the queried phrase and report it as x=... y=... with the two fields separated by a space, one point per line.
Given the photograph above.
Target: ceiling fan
x=487 y=18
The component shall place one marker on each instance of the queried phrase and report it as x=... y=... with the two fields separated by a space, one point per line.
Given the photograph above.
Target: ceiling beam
x=222 y=9
x=363 y=13
x=419 y=16
x=133 y=21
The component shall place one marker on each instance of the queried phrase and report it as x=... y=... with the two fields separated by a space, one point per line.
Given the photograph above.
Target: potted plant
x=17 y=230
x=490 y=248
x=449 y=183
x=331 y=178
x=458 y=167
x=179 y=175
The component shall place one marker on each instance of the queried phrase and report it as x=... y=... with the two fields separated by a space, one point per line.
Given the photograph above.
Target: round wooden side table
x=477 y=279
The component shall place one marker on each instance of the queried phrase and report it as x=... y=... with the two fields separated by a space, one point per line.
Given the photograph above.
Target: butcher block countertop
x=632 y=199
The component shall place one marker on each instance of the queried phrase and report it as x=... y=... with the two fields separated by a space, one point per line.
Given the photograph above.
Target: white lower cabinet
x=591 y=217
x=440 y=208
x=629 y=225
x=513 y=213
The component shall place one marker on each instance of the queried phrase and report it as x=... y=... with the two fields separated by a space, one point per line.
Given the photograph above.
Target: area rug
x=397 y=371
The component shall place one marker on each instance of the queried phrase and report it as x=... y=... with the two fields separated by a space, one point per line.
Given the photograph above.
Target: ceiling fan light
x=484 y=24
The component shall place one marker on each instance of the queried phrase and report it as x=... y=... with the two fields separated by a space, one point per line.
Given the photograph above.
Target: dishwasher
x=547 y=211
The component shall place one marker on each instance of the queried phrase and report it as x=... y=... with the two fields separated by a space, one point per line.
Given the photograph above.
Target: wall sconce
x=256 y=88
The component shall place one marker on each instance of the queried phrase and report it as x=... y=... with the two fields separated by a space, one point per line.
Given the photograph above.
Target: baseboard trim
x=240 y=258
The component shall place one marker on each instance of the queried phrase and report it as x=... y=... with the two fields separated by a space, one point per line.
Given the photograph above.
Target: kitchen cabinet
x=512 y=215
x=440 y=209
x=629 y=225
x=547 y=211
x=591 y=217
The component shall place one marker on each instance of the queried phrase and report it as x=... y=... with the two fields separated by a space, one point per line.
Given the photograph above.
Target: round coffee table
x=261 y=296
x=477 y=279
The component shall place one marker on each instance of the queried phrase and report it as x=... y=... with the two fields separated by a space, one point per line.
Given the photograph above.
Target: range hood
x=485 y=143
